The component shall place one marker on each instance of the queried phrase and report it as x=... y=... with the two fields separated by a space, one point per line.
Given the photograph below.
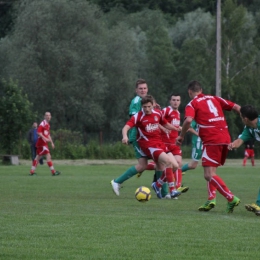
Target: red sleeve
x=131 y=121
x=225 y=104
x=40 y=129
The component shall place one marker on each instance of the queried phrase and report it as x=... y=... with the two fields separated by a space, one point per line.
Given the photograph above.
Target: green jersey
x=196 y=143
x=251 y=133
x=135 y=107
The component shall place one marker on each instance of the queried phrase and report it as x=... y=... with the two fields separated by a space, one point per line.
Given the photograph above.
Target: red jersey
x=207 y=111
x=172 y=117
x=148 y=131
x=44 y=129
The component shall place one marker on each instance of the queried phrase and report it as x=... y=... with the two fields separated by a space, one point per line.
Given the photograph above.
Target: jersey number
x=212 y=108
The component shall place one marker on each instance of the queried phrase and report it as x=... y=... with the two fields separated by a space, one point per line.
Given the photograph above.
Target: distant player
x=42 y=145
x=249 y=152
x=172 y=115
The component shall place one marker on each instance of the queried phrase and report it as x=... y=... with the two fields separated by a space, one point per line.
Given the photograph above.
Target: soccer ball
x=143 y=194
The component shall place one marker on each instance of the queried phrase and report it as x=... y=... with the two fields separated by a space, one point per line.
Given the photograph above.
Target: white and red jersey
x=44 y=129
x=172 y=117
x=207 y=111
x=148 y=131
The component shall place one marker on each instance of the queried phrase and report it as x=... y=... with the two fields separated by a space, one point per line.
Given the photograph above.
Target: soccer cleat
x=167 y=196
x=254 y=208
x=183 y=189
x=232 y=204
x=157 y=190
x=210 y=204
x=32 y=174
x=56 y=173
x=139 y=174
x=175 y=194
x=116 y=187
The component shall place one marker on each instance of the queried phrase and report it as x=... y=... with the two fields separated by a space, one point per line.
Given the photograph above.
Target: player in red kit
x=207 y=111
x=172 y=116
x=149 y=138
x=249 y=152
x=44 y=138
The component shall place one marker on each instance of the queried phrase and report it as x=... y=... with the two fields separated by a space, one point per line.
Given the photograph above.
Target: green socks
x=126 y=175
x=185 y=167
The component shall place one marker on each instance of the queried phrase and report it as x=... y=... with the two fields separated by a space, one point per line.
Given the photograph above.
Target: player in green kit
x=141 y=90
x=251 y=120
x=196 y=148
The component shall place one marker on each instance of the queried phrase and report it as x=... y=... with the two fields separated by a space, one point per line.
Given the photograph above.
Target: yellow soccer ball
x=143 y=194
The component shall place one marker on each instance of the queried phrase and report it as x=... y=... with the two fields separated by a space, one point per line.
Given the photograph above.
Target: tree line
x=80 y=59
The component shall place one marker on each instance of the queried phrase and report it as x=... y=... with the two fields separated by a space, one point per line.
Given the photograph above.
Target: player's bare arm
x=124 y=134
x=192 y=131
x=236 y=108
x=171 y=127
x=237 y=143
x=185 y=128
x=52 y=144
x=43 y=137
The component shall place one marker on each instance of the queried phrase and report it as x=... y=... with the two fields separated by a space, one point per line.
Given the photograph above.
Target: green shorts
x=196 y=153
x=137 y=150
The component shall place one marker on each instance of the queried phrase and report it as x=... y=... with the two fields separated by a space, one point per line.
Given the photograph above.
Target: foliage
x=80 y=62
x=15 y=114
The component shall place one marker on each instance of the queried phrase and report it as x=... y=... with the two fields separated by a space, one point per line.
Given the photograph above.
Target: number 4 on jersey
x=212 y=108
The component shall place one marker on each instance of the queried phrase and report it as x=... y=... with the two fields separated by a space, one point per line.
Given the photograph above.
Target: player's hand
x=231 y=146
x=179 y=129
x=125 y=140
x=179 y=140
x=52 y=145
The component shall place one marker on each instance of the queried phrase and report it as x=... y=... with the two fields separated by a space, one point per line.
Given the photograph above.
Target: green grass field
x=77 y=216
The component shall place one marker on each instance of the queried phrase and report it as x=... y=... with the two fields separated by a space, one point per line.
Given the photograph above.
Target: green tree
x=15 y=115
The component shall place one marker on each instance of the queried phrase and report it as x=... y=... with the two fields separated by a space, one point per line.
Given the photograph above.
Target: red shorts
x=154 y=151
x=42 y=150
x=174 y=149
x=249 y=153
x=214 y=155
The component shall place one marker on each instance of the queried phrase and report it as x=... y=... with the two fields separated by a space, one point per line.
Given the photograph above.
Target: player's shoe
x=175 y=194
x=254 y=208
x=157 y=190
x=183 y=189
x=232 y=204
x=210 y=204
x=56 y=173
x=167 y=196
x=139 y=174
x=116 y=187
x=32 y=174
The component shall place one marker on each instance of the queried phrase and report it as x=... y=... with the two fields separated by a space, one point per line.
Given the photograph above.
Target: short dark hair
x=147 y=99
x=249 y=112
x=140 y=81
x=175 y=95
x=194 y=86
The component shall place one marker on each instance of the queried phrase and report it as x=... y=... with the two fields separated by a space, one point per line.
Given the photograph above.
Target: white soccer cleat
x=167 y=196
x=116 y=187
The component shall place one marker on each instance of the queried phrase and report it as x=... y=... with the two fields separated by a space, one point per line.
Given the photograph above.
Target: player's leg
x=254 y=207
x=195 y=156
x=50 y=164
x=34 y=164
x=211 y=202
x=214 y=156
x=130 y=172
